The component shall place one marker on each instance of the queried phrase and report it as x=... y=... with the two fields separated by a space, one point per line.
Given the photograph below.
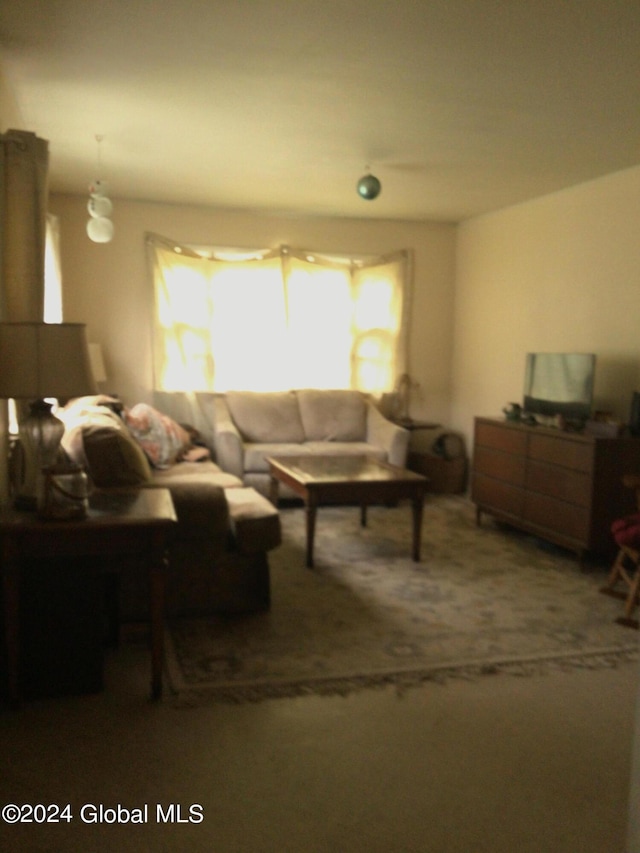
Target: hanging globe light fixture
x=369 y=187
x=100 y=207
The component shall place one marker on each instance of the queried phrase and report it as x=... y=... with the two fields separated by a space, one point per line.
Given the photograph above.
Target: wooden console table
x=120 y=524
x=565 y=487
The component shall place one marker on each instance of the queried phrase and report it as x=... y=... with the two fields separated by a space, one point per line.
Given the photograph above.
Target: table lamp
x=39 y=360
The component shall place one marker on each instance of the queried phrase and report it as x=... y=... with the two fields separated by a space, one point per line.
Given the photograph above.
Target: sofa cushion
x=255 y=455
x=201 y=507
x=269 y=416
x=162 y=439
x=344 y=448
x=97 y=439
x=255 y=521
x=333 y=415
x=113 y=458
x=184 y=473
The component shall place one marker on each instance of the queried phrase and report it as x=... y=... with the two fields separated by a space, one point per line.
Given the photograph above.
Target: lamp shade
x=97 y=363
x=44 y=360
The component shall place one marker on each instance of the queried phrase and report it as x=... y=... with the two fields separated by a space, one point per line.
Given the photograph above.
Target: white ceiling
x=458 y=106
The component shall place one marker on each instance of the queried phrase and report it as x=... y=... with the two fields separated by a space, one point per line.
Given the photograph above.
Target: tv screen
x=559 y=384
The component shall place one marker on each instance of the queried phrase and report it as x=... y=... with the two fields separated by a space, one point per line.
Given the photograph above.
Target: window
x=276 y=319
x=52 y=274
x=52 y=293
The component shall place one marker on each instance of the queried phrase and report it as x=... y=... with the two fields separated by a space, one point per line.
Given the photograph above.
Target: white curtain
x=52 y=272
x=24 y=165
x=52 y=293
x=276 y=319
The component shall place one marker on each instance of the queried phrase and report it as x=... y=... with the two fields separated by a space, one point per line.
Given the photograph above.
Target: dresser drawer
x=502 y=466
x=500 y=437
x=561 y=483
x=547 y=513
x=577 y=455
x=498 y=495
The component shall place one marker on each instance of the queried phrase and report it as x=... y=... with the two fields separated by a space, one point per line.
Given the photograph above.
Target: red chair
x=626 y=566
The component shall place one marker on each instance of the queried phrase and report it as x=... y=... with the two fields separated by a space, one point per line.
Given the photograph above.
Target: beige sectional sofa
x=250 y=426
x=218 y=557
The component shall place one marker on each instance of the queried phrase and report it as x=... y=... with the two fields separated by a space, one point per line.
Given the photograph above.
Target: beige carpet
x=482 y=600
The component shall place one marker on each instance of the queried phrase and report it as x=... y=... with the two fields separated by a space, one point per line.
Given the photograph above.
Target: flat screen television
x=559 y=383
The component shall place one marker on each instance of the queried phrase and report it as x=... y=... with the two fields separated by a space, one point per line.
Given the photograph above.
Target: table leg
x=157 y=578
x=11 y=597
x=363 y=515
x=416 y=507
x=273 y=491
x=311 y=510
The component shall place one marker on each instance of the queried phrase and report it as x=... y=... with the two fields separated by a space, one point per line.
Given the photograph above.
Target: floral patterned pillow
x=162 y=439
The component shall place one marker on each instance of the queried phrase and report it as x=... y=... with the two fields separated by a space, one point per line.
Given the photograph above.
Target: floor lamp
x=39 y=360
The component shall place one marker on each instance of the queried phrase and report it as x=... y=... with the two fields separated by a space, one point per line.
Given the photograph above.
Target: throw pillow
x=162 y=439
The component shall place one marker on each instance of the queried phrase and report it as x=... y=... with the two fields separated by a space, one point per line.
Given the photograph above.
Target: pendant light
x=99 y=226
x=369 y=186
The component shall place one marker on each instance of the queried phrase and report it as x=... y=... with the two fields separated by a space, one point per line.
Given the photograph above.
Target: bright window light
x=274 y=320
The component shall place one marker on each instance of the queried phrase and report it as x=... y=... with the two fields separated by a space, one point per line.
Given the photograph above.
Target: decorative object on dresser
x=561 y=486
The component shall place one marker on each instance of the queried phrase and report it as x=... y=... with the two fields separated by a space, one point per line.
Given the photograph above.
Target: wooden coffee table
x=363 y=480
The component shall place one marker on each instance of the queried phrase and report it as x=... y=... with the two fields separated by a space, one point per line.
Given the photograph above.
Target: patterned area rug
x=483 y=600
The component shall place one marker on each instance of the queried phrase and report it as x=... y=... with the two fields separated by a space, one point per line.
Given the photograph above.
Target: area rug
x=484 y=599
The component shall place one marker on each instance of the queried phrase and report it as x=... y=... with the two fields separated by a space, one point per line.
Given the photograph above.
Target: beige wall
x=558 y=273
x=561 y=273
x=9 y=113
x=106 y=285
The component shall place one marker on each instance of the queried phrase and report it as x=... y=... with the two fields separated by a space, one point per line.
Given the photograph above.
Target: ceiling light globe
x=99 y=206
x=100 y=229
x=368 y=187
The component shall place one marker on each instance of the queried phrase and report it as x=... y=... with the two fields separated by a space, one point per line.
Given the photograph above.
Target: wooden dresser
x=564 y=487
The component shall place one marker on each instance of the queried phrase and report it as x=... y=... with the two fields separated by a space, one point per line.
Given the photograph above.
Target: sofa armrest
x=229 y=446
x=201 y=508
x=391 y=437
x=254 y=520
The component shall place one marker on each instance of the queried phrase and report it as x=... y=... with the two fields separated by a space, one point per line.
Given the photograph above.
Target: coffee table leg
x=273 y=491
x=157 y=578
x=311 y=510
x=416 y=507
